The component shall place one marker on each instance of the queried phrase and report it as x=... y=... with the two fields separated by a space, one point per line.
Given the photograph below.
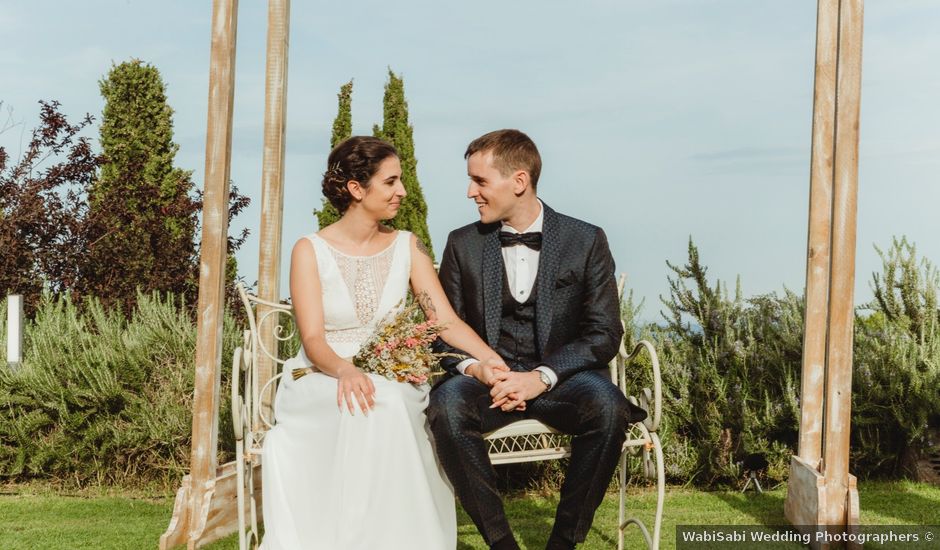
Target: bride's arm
x=456 y=333
x=306 y=296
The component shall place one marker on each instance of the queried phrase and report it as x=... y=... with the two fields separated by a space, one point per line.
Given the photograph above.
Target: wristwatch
x=543 y=376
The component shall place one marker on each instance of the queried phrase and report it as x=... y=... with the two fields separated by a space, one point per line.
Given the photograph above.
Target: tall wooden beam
x=195 y=497
x=819 y=234
x=842 y=273
x=821 y=491
x=272 y=181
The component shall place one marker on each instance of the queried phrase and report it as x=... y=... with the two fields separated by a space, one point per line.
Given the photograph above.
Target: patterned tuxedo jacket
x=577 y=309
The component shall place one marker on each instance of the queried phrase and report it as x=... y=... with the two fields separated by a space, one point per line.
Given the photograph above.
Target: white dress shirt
x=522 y=266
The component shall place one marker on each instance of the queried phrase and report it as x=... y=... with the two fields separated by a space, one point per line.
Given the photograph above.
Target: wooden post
x=821 y=491
x=820 y=210
x=272 y=183
x=189 y=525
x=842 y=273
x=14 y=330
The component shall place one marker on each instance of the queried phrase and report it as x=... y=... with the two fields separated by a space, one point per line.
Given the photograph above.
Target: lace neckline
x=341 y=253
x=364 y=278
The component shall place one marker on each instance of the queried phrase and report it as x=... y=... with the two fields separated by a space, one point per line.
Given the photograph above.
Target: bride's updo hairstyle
x=356 y=158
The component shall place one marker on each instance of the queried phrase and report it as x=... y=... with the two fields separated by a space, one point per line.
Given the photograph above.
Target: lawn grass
x=31 y=519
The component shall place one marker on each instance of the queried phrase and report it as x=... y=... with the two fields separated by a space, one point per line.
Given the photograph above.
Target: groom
x=539 y=287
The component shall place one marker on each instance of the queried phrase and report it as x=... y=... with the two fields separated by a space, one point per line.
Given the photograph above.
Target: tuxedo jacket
x=577 y=313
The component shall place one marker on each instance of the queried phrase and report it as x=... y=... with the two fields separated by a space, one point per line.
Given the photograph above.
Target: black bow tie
x=532 y=240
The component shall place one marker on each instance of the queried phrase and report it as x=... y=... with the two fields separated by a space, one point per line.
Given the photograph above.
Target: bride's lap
x=327 y=473
x=315 y=394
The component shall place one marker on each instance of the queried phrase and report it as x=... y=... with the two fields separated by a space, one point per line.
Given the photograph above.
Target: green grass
x=39 y=519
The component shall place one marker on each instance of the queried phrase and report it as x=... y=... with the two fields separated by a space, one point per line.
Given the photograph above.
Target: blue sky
x=656 y=120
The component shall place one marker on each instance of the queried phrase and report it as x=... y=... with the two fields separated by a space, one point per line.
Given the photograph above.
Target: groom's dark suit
x=571 y=324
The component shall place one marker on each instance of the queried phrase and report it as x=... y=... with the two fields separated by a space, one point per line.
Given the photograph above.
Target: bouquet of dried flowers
x=401 y=348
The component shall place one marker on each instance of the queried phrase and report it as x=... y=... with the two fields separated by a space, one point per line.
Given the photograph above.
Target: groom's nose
x=473 y=190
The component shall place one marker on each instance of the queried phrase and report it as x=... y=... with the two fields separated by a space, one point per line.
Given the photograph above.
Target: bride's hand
x=485 y=371
x=353 y=383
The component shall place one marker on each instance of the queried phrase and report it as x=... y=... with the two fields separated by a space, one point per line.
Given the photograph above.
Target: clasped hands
x=509 y=389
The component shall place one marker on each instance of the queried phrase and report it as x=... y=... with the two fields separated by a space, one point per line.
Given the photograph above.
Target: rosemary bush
x=731 y=376
x=896 y=384
x=104 y=400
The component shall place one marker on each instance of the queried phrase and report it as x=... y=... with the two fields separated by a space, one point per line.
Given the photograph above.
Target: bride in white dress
x=349 y=463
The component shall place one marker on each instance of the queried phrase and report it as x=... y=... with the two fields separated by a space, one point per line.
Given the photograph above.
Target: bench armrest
x=650 y=400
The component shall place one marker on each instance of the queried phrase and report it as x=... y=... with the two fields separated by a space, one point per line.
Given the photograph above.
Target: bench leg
x=652 y=542
x=660 y=488
x=623 y=499
x=240 y=492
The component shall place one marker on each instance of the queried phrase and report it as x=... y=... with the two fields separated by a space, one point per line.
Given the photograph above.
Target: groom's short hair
x=512 y=150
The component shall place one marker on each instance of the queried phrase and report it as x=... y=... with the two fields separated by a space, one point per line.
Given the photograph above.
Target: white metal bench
x=523 y=441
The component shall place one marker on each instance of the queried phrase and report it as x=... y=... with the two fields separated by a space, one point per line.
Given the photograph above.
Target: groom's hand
x=513 y=389
x=487 y=372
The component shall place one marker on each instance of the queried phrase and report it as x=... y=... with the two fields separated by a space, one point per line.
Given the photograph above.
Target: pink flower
x=411 y=342
x=415 y=379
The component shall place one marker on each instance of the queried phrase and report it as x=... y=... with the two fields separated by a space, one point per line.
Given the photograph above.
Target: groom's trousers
x=586 y=405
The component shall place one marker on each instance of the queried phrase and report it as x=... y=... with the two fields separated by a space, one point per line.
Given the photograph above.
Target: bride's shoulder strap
x=319 y=246
x=314 y=239
x=403 y=240
x=403 y=248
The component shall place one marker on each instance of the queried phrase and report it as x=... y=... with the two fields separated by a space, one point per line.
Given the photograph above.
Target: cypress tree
x=413 y=213
x=342 y=125
x=142 y=214
x=342 y=129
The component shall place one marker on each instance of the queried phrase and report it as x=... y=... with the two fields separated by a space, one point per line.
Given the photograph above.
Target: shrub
x=730 y=374
x=104 y=400
x=41 y=207
x=896 y=386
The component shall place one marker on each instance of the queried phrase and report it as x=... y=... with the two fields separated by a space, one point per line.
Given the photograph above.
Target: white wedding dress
x=335 y=481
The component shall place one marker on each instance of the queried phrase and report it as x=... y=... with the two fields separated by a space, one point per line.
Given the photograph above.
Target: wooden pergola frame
x=820 y=492
x=206 y=507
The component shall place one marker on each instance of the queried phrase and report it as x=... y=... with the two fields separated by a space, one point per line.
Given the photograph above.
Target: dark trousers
x=586 y=405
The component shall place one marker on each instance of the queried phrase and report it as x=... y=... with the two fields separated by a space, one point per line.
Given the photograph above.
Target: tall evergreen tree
x=142 y=211
x=342 y=129
x=342 y=125
x=395 y=129
x=413 y=214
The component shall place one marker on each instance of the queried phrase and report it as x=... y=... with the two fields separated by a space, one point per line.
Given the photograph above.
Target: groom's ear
x=520 y=182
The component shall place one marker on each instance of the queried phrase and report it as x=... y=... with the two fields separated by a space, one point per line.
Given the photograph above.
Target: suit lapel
x=545 y=280
x=492 y=273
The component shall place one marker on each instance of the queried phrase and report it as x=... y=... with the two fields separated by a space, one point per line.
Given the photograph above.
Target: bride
x=349 y=464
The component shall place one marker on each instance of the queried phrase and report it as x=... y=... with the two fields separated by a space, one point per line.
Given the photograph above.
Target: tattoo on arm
x=424 y=300
x=423 y=248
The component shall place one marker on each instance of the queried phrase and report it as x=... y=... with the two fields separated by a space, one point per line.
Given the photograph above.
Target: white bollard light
x=14 y=330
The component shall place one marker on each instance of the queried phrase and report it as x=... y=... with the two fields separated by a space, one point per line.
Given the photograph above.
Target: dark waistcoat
x=517 y=331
